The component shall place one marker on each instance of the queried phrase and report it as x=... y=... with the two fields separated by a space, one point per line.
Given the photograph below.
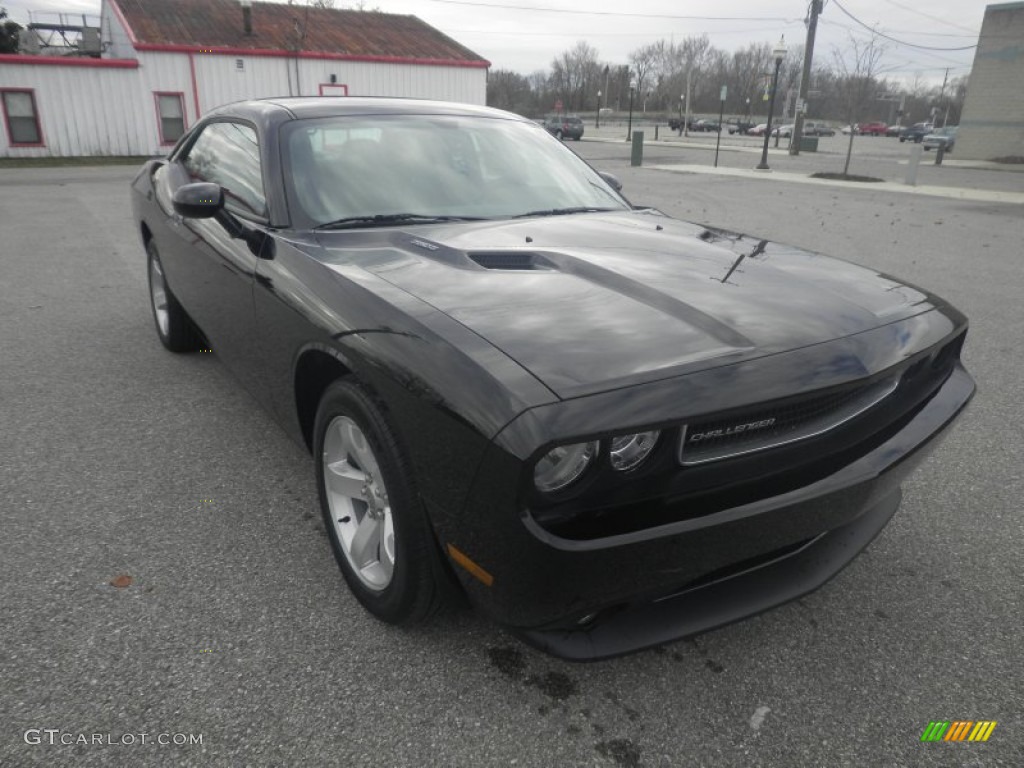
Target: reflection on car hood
x=594 y=301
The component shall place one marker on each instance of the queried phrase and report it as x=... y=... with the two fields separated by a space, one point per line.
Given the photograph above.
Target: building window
x=21 y=118
x=170 y=109
x=240 y=65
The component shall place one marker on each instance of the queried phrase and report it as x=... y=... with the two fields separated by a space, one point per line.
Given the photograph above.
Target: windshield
x=422 y=166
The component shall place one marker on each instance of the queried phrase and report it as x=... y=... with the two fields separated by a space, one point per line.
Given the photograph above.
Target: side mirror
x=612 y=180
x=200 y=200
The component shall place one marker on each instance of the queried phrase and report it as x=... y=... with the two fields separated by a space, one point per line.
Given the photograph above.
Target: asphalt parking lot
x=119 y=458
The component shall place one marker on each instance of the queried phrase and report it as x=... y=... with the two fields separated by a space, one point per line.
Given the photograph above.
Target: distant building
x=153 y=67
x=992 y=122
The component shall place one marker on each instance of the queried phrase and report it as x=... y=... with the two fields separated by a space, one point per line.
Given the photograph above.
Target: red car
x=872 y=129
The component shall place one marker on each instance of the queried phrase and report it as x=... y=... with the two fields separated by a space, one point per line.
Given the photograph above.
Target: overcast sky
x=525 y=35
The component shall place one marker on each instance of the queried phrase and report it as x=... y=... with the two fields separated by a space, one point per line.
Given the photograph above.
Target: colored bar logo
x=958 y=730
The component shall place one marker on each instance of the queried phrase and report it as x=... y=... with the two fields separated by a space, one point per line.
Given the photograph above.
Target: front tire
x=173 y=325
x=376 y=522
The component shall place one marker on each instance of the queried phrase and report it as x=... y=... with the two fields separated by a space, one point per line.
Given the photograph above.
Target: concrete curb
x=956 y=193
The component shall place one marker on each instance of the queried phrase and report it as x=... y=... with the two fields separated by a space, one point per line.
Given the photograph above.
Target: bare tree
x=509 y=90
x=857 y=66
x=572 y=74
x=642 y=62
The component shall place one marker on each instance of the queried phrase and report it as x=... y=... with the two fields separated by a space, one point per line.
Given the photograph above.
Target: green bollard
x=637 y=156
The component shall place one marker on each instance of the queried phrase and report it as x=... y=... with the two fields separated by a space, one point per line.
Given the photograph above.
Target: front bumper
x=587 y=599
x=721 y=601
x=590 y=599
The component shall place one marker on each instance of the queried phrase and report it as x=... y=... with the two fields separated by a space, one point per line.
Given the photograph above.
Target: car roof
x=301 y=107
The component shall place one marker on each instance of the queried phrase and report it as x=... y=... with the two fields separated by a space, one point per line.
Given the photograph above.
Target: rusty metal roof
x=277 y=27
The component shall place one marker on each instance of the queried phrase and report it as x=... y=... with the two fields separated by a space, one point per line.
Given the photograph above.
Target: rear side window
x=228 y=154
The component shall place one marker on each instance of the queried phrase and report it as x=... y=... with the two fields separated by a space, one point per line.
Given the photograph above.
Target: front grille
x=772 y=426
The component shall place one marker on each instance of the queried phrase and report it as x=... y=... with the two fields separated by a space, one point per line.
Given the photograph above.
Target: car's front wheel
x=173 y=325
x=374 y=517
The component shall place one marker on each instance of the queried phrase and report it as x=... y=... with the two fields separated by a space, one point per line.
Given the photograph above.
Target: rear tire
x=377 y=524
x=173 y=325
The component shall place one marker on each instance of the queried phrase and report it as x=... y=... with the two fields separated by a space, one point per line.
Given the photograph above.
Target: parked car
x=916 y=132
x=758 y=130
x=564 y=127
x=817 y=128
x=872 y=129
x=893 y=130
x=607 y=439
x=739 y=127
x=707 y=125
x=848 y=129
x=784 y=131
x=941 y=137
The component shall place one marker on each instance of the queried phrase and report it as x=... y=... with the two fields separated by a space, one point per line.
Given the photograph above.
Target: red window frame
x=341 y=86
x=159 y=120
x=35 y=114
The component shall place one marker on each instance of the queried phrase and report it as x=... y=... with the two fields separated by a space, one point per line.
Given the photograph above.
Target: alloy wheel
x=158 y=295
x=359 y=505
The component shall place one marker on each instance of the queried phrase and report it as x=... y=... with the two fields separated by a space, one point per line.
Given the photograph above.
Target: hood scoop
x=512 y=261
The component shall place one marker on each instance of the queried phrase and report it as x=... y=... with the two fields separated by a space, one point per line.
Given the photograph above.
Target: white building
x=164 y=63
x=992 y=122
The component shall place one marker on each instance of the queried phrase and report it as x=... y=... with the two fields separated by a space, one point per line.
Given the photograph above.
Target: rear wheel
x=173 y=325
x=378 y=527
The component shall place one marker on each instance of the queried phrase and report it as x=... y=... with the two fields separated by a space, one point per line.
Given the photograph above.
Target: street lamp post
x=682 y=101
x=629 y=130
x=748 y=109
x=779 y=52
x=597 y=119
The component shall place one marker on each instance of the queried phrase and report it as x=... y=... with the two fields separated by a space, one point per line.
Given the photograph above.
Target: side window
x=228 y=154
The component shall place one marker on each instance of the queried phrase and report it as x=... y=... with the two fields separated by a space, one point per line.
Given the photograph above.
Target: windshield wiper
x=564 y=211
x=387 y=219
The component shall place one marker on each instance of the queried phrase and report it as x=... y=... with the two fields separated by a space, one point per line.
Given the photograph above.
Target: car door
x=214 y=270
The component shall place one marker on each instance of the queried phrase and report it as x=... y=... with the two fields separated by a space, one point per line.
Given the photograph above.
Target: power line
x=928 y=16
x=651 y=33
x=897 y=41
x=535 y=9
x=861 y=31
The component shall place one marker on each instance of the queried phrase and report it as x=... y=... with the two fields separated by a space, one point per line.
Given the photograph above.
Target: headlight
x=628 y=451
x=563 y=465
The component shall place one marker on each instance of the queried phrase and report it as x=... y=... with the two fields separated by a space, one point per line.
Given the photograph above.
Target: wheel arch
x=315 y=368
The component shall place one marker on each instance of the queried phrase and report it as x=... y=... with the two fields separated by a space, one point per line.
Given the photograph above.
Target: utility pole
x=942 y=95
x=805 y=78
x=686 y=121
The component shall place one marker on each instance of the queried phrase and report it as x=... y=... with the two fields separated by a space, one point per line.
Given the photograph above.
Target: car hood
x=591 y=302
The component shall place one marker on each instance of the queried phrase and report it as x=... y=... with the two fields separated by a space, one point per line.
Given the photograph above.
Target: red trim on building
x=195 y=85
x=227 y=51
x=67 y=61
x=124 y=23
x=159 y=118
x=329 y=86
x=35 y=114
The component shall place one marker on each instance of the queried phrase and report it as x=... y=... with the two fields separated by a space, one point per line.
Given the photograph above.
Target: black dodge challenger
x=605 y=427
